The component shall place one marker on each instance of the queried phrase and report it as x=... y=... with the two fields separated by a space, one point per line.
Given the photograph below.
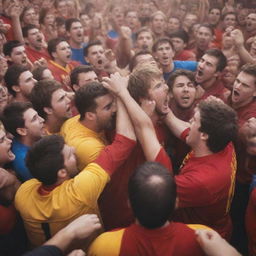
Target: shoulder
x=107 y=244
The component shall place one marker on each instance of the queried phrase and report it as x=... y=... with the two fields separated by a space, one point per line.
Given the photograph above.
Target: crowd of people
x=128 y=127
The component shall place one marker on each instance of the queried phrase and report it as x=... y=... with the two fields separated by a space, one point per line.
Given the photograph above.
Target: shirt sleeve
x=164 y=159
x=116 y=153
x=184 y=134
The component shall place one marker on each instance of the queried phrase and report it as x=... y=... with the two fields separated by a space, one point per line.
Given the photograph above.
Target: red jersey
x=34 y=55
x=251 y=223
x=246 y=165
x=174 y=239
x=217 y=90
x=10 y=33
x=61 y=74
x=8 y=218
x=205 y=188
x=113 y=204
x=185 y=55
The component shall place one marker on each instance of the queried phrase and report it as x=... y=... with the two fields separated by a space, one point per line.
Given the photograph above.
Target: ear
x=48 y=110
x=54 y=55
x=204 y=136
x=76 y=87
x=26 y=40
x=62 y=174
x=254 y=94
x=16 y=88
x=217 y=74
x=89 y=116
x=86 y=59
x=22 y=131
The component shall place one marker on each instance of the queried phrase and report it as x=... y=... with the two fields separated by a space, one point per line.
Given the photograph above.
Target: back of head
x=41 y=95
x=218 y=54
x=9 y=45
x=86 y=95
x=133 y=63
x=45 y=159
x=219 y=122
x=12 y=75
x=152 y=194
x=13 y=118
x=140 y=80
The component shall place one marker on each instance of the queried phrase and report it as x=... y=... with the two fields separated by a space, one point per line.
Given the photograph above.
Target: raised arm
x=238 y=38
x=176 y=125
x=143 y=126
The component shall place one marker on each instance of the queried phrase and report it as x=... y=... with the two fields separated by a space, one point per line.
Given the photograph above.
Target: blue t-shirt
x=18 y=164
x=78 y=55
x=178 y=64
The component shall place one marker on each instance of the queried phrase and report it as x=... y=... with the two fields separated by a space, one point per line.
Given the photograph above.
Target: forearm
x=176 y=125
x=123 y=123
x=123 y=52
x=245 y=55
x=17 y=29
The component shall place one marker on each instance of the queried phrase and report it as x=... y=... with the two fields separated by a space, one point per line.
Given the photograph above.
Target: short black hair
x=218 y=54
x=69 y=23
x=152 y=194
x=182 y=34
x=27 y=28
x=44 y=159
x=86 y=95
x=162 y=41
x=13 y=116
x=41 y=95
x=8 y=46
x=89 y=45
x=12 y=76
x=78 y=70
x=52 y=45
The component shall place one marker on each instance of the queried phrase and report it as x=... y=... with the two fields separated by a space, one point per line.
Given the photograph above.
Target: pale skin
x=142 y=123
x=213 y=244
x=78 y=230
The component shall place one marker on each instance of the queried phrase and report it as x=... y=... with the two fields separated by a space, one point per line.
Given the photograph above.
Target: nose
x=237 y=85
x=41 y=119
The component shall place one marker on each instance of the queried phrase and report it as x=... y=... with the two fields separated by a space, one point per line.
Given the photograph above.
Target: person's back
x=152 y=234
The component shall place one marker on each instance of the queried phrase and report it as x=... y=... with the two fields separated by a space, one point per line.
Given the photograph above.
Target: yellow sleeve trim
x=198 y=226
x=107 y=244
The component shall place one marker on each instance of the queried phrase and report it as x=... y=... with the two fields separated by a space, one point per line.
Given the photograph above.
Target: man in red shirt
x=34 y=43
x=205 y=183
x=61 y=64
x=208 y=73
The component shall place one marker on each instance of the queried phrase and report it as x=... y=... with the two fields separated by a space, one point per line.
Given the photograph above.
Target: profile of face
x=159 y=93
x=70 y=161
x=6 y=155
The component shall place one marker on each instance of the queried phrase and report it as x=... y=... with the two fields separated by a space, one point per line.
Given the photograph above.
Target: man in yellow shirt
x=85 y=132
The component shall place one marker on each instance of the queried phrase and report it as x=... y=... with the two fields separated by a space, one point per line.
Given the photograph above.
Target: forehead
x=57 y=94
x=158 y=17
x=181 y=79
x=94 y=48
x=76 y=24
x=26 y=74
x=156 y=80
x=252 y=16
x=175 y=20
x=230 y=16
x=215 y=11
x=212 y=59
x=204 y=30
x=29 y=113
x=33 y=31
x=144 y=57
x=177 y=39
x=87 y=75
x=18 y=49
x=247 y=78
x=101 y=101
x=145 y=34
x=163 y=44
x=62 y=44
x=131 y=14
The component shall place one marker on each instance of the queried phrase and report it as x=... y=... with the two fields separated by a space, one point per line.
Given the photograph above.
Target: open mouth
x=100 y=62
x=24 y=61
x=235 y=93
x=11 y=155
x=199 y=73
